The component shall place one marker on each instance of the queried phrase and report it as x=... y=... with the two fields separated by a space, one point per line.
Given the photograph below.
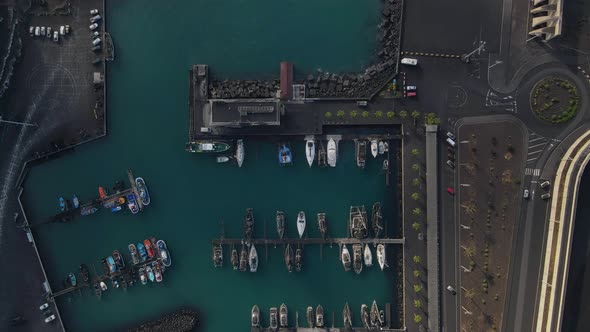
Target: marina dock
x=325 y=329
x=330 y=241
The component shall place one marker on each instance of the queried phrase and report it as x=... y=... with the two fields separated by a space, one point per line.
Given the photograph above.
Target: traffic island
x=555 y=100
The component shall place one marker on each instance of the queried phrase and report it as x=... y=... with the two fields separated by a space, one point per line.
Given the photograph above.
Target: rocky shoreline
x=330 y=85
x=183 y=320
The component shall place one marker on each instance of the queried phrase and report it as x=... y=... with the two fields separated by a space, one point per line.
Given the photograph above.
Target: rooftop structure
x=245 y=112
x=286 y=80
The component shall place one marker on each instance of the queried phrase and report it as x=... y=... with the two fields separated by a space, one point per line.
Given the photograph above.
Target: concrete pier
x=303 y=241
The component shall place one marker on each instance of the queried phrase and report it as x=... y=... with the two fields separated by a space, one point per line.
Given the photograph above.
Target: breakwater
x=178 y=321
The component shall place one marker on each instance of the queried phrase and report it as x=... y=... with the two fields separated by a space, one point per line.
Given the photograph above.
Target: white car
x=410 y=61
x=44 y=306
x=37 y=31
x=96 y=41
x=411 y=88
x=49 y=319
x=526 y=194
x=48 y=32
x=62 y=30
x=93 y=26
x=55 y=36
x=452 y=290
x=32 y=30
x=450 y=135
x=95 y=19
x=93 y=11
x=95 y=35
x=42 y=31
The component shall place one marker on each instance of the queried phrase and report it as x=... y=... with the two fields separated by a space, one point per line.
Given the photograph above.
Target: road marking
x=532 y=171
x=534 y=146
x=535 y=139
x=534 y=152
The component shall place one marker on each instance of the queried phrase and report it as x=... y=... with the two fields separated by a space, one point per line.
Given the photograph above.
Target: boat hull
x=144 y=194
x=240 y=152
x=253 y=259
x=332 y=153
x=301 y=223
x=310 y=151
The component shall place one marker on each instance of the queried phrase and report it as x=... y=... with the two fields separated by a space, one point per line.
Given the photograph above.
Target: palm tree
x=328 y=115
x=415 y=182
x=417 y=288
x=417 y=212
x=379 y=114
x=340 y=114
x=415 y=114
x=469 y=293
x=417 y=259
x=417 y=318
x=417 y=303
x=403 y=114
x=469 y=251
x=354 y=114
x=391 y=114
x=415 y=167
x=416 y=226
x=365 y=114
x=415 y=196
x=415 y=152
x=470 y=207
x=417 y=273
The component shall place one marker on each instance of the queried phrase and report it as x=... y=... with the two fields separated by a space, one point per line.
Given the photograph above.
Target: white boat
x=240 y=152
x=381 y=147
x=103 y=286
x=332 y=153
x=381 y=255
x=301 y=223
x=368 y=256
x=374 y=148
x=253 y=259
x=310 y=151
x=222 y=159
x=345 y=258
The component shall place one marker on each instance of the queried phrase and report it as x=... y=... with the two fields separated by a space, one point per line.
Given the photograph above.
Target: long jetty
x=330 y=241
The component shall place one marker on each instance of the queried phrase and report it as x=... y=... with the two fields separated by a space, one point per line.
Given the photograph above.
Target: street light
x=18 y=123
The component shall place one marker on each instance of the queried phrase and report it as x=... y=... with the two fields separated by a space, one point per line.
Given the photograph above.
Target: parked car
x=411 y=94
x=546 y=195
x=450 y=135
x=93 y=26
x=411 y=88
x=96 y=48
x=525 y=195
x=452 y=290
x=95 y=18
x=67 y=29
x=93 y=11
x=451 y=142
x=43 y=306
x=37 y=31
x=49 y=319
x=96 y=41
x=62 y=30
x=42 y=31
x=450 y=164
x=32 y=31
x=55 y=36
x=409 y=61
x=545 y=184
x=94 y=35
x=49 y=34
x=450 y=190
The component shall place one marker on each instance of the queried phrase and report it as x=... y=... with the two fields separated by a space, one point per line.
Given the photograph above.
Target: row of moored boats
x=362 y=256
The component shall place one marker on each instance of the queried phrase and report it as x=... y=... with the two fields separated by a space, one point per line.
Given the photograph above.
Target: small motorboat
x=76 y=201
x=301 y=223
x=222 y=159
x=323 y=225
x=319 y=316
x=381 y=259
x=365 y=316
x=148 y=248
x=142 y=253
x=243 y=258
x=132 y=203
x=374 y=148
x=72 y=279
x=235 y=258
x=368 y=256
x=134 y=254
x=361 y=153
x=102 y=192
x=253 y=259
x=381 y=147
x=284 y=319
x=116 y=208
x=120 y=263
x=309 y=313
x=62 y=204
x=255 y=316
x=115 y=282
x=150 y=273
x=289 y=257
x=112 y=264
x=280 y=224
x=158 y=271
x=103 y=286
x=332 y=153
x=274 y=319
x=88 y=210
x=285 y=155
x=217 y=255
x=240 y=152
x=310 y=151
x=123 y=282
x=385 y=147
x=144 y=194
x=357 y=257
x=142 y=275
x=385 y=165
x=345 y=258
x=298 y=259
x=105 y=266
x=347 y=316
x=164 y=253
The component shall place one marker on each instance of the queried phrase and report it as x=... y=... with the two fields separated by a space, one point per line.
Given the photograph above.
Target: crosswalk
x=532 y=171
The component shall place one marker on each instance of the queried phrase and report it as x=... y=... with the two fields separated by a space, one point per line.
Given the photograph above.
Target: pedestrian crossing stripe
x=532 y=171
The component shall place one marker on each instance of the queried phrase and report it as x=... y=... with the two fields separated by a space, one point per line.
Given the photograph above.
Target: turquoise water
x=191 y=195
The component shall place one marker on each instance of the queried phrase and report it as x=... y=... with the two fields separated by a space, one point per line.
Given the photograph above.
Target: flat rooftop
x=245 y=112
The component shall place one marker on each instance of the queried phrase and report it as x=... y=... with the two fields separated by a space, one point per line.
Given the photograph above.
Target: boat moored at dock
x=222 y=159
x=319 y=316
x=85 y=273
x=374 y=148
x=368 y=256
x=235 y=259
x=301 y=223
x=332 y=153
x=88 y=210
x=148 y=248
x=358 y=222
x=71 y=279
x=285 y=155
x=102 y=192
x=134 y=255
x=374 y=315
x=345 y=258
x=132 y=204
x=243 y=258
x=347 y=316
x=377 y=219
x=310 y=151
x=206 y=147
x=381 y=255
x=142 y=275
x=142 y=252
x=164 y=253
x=240 y=152
x=157 y=271
x=274 y=319
x=309 y=314
x=255 y=316
x=144 y=194
x=111 y=263
x=284 y=319
x=218 y=256
x=298 y=259
x=62 y=204
x=150 y=273
x=357 y=254
x=76 y=201
x=280 y=218
x=289 y=257
x=97 y=291
x=365 y=316
x=253 y=259
x=248 y=225
x=119 y=262
x=323 y=225
x=361 y=153
x=103 y=286
x=322 y=155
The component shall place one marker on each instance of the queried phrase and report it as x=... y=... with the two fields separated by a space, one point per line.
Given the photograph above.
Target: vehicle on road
x=42 y=32
x=93 y=11
x=411 y=94
x=49 y=319
x=96 y=48
x=451 y=142
x=37 y=31
x=49 y=34
x=32 y=31
x=409 y=61
x=451 y=289
x=411 y=88
x=44 y=306
x=526 y=194
x=96 y=41
x=450 y=190
x=450 y=135
x=545 y=184
x=62 y=30
x=95 y=18
x=450 y=164
x=55 y=36
x=451 y=156
x=546 y=195
x=93 y=26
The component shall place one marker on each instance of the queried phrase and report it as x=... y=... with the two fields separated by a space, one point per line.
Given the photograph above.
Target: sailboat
x=357 y=254
x=280 y=224
x=253 y=259
x=358 y=222
x=298 y=259
x=368 y=256
x=377 y=219
x=301 y=223
x=310 y=316
x=310 y=151
x=323 y=224
x=332 y=153
x=345 y=258
x=322 y=155
x=283 y=318
x=361 y=153
x=381 y=255
x=240 y=152
x=374 y=148
x=289 y=258
x=243 y=258
x=319 y=316
x=374 y=315
x=235 y=258
x=347 y=316
x=365 y=316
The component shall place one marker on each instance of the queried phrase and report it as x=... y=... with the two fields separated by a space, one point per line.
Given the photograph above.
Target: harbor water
x=192 y=195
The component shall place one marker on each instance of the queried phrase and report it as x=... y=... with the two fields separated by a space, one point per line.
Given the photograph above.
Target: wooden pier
x=303 y=241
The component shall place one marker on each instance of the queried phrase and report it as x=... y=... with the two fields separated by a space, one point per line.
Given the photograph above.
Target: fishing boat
x=381 y=147
x=134 y=255
x=164 y=253
x=142 y=253
x=148 y=248
x=72 y=279
x=255 y=316
x=365 y=316
x=217 y=255
x=240 y=152
x=158 y=271
x=243 y=258
x=235 y=258
x=301 y=223
x=142 y=188
x=322 y=155
x=154 y=244
x=289 y=257
x=105 y=266
x=112 y=264
x=207 y=147
x=222 y=159
x=150 y=273
x=361 y=153
x=347 y=316
x=142 y=275
x=345 y=258
x=109 y=47
x=102 y=192
x=381 y=259
x=76 y=201
x=97 y=290
x=116 y=208
x=103 y=286
x=85 y=273
x=368 y=256
x=298 y=259
x=310 y=316
x=332 y=153
x=374 y=148
x=285 y=155
x=357 y=257
x=248 y=225
x=358 y=222
x=253 y=259
x=274 y=319
x=319 y=316
x=118 y=259
x=88 y=210
x=374 y=315
x=62 y=204
x=323 y=224
x=310 y=151
x=377 y=219
x=280 y=224
x=132 y=203
x=283 y=318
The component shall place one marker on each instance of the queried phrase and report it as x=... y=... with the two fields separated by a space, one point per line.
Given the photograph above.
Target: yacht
x=243 y=258
x=274 y=319
x=358 y=222
x=381 y=147
x=319 y=316
x=283 y=318
x=253 y=259
x=235 y=259
x=361 y=153
x=332 y=153
x=310 y=151
x=374 y=315
x=381 y=255
x=345 y=258
x=301 y=223
x=240 y=152
x=217 y=255
x=280 y=224
x=357 y=255
x=310 y=316
x=255 y=316
x=368 y=256
x=323 y=224
x=374 y=148
x=289 y=257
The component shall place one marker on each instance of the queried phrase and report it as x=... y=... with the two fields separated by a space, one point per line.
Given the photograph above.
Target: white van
x=451 y=142
x=96 y=41
x=410 y=61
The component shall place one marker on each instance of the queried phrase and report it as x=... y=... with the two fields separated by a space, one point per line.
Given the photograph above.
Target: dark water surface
x=147 y=115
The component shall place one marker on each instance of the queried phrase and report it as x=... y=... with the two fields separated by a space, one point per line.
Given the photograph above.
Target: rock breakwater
x=183 y=320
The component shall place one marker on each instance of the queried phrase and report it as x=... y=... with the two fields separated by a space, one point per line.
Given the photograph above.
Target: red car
x=411 y=94
x=450 y=190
